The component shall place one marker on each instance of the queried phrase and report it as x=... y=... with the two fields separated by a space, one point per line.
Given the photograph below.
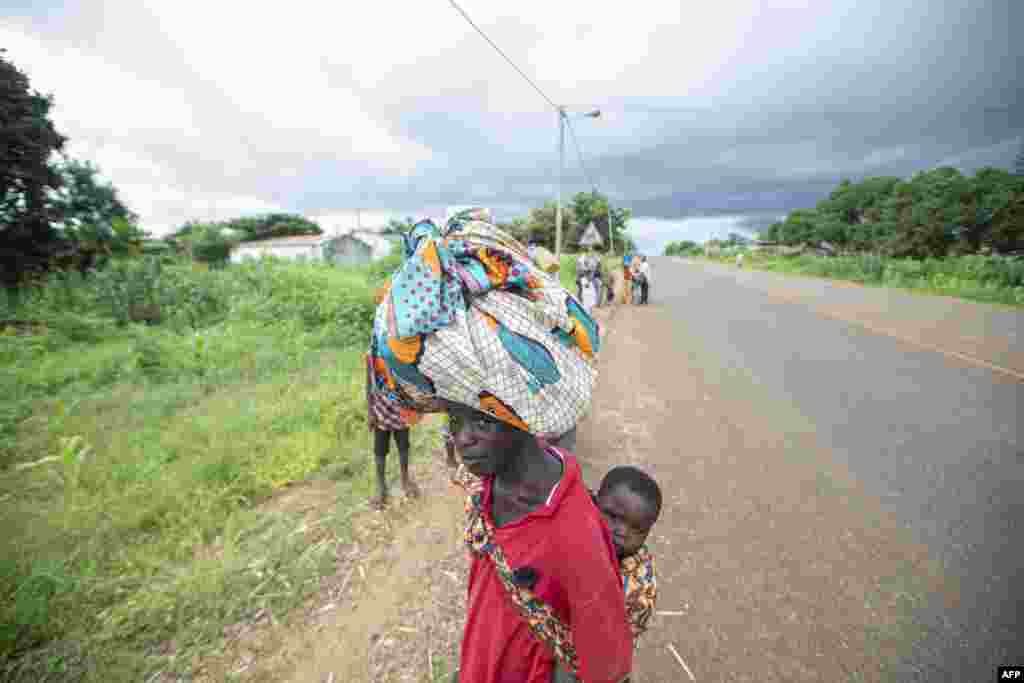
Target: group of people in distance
x=637 y=272
x=591 y=273
x=561 y=582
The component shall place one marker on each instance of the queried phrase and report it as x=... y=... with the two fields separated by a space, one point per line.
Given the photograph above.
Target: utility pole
x=558 y=203
x=562 y=120
x=611 y=230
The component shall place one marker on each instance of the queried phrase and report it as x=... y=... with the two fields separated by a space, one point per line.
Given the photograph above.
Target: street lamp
x=562 y=118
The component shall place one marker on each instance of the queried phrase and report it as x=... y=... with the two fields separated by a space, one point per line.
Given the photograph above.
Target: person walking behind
x=627 y=274
x=599 y=279
x=644 y=274
x=584 y=271
x=582 y=266
x=388 y=421
x=448 y=435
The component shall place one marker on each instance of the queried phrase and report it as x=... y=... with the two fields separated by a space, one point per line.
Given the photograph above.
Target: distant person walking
x=643 y=274
x=627 y=275
x=588 y=284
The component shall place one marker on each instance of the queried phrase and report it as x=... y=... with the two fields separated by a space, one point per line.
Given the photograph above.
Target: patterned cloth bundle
x=468 y=318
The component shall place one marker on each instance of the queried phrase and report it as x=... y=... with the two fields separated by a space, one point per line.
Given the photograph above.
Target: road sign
x=591 y=237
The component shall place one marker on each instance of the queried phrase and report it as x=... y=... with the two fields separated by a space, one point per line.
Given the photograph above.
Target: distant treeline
x=933 y=214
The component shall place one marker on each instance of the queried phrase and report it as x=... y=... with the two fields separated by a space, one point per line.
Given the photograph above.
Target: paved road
x=844 y=473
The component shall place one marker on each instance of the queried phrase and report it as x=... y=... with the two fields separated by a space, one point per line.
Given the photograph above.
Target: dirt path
x=773 y=564
x=391 y=612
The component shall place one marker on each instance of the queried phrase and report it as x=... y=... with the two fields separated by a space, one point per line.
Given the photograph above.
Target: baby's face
x=629 y=516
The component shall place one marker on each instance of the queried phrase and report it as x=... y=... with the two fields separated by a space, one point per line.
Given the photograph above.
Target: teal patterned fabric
x=469 y=318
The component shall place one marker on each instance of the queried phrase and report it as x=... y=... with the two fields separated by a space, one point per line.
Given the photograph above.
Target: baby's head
x=630 y=502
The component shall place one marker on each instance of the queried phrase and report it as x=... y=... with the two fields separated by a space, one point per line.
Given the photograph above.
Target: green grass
x=439 y=672
x=567 y=272
x=975 y=278
x=134 y=460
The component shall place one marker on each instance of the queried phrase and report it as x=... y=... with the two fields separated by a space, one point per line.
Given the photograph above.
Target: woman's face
x=485 y=444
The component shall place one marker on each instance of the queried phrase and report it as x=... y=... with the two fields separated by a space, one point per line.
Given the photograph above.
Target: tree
x=592 y=207
x=540 y=225
x=94 y=220
x=682 y=248
x=28 y=140
x=1018 y=164
x=251 y=228
x=397 y=227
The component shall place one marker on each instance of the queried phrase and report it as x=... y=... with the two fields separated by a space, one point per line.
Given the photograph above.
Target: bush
x=996 y=279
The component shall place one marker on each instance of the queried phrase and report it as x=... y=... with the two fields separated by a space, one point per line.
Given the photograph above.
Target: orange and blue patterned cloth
x=640 y=584
x=469 y=318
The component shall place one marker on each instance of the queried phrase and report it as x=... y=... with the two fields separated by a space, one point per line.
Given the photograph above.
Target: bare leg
x=408 y=485
x=381 y=439
x=449 y=446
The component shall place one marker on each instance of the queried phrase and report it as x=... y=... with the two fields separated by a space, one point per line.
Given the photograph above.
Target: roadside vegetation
x=987 y=279
x=134 y=455
x=939 y=232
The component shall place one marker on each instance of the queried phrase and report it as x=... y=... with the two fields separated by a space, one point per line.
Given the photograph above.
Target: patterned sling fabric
x=641 y=588
x=639 y=579
x=540 y=618
x=468 y=318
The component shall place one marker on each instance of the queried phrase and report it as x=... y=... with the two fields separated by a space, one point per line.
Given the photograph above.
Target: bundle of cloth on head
x=468 y=318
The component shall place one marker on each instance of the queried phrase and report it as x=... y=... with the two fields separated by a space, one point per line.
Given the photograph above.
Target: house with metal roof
x=351 y=248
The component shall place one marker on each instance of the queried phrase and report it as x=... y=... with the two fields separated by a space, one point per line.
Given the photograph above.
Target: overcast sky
x=217 y=108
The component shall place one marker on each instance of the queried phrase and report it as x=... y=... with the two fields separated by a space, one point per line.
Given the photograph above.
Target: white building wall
x=255 y=250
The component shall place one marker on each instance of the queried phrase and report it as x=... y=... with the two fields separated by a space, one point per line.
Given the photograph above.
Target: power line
x=579 y=153
x=507 y=59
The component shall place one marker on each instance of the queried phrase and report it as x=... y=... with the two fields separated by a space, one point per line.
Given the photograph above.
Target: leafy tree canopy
x=247 y=228
x=932 y=214
x=28 y=176
x=584 y=208
x=93 y=217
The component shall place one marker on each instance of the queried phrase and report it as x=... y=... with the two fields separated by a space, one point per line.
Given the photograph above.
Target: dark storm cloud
x=866 y=88
x=905 y=87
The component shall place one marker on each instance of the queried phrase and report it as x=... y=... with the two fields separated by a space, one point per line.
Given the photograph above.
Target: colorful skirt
x=386 y=415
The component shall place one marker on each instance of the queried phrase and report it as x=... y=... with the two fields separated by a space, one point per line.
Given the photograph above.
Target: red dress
x=570 y=550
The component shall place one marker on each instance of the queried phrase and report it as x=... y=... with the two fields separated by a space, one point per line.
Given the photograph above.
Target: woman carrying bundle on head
x=472 y=328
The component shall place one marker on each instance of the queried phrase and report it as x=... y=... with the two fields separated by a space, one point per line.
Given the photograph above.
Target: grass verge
x=137 y=462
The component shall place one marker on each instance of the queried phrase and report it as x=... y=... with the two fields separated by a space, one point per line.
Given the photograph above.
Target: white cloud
x=880 y=157
x=173 y=156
